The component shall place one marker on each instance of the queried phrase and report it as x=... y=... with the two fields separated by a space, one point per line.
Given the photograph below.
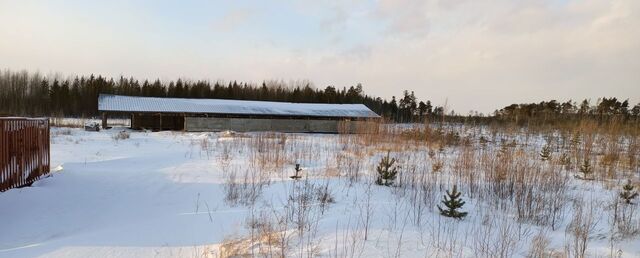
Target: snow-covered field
x=175 y=194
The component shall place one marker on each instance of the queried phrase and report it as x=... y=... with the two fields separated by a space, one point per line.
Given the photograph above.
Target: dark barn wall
x=157 y=122
x=204 y=124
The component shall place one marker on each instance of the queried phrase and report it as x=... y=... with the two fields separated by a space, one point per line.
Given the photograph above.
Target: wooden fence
x=24 y=151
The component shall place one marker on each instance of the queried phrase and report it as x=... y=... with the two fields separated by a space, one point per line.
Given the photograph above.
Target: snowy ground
x=162 y=194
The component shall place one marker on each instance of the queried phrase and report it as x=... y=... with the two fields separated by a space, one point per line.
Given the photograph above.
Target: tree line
x=31 y=94
x=604 y=109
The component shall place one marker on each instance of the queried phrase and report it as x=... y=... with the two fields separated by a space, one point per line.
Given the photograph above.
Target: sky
x=473 y=55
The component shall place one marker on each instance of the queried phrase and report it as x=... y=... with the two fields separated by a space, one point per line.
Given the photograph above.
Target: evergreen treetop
x=452 y=203
x=545 y=153
x=387 y=171
x=628 y=194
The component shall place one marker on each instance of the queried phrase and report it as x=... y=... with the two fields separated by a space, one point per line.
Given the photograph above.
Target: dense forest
x=31 y=94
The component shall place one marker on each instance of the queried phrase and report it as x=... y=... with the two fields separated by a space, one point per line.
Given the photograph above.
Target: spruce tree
x=431 y=153
x=586 y=169
x=545 y=153
x=452 y=202
x=503 y=151
x=387 y=171
x=483 y=141
x=575 y=140
x=628 y=194
x=298 y=169
x=565 y=160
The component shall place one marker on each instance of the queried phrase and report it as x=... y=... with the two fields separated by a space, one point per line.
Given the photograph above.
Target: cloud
x=478 y=55
x=404 y=17
x=233 y=19
x=482 y=57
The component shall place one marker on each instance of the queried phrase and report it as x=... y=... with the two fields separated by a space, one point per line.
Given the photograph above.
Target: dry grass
x=262 y=245
x=499 y=167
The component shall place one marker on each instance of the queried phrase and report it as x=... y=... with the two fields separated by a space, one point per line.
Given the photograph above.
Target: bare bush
x=539 y=246
x=497 y=236
x=623 y=218
x=122 y=135
x=244 y=190
x=580 y=228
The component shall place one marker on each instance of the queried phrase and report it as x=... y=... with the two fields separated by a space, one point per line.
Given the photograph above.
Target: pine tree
x=483 y=141
x=635 y=111
x=565 y=160
x=452 y=202
x=628 y=194
x=503 y=151
x=429 y=107
x=586 y=169
x=575 y=139
x=422 y=109
x=584 y=107
x=387 y=171
x=431 y=153
x=298 y=169
x=545 y=153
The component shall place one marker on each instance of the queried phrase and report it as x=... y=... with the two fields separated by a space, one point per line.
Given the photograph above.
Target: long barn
x=235 y=115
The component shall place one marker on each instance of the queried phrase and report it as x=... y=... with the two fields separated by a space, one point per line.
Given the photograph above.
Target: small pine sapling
x=297 y=175
x=586 y=169
x=387 y=171
x=628 y=193
x=545 y=153
x=483 y=141
x=565 y=160
x=432 y=154
x=452 y=202
x=456 y=138
x=437 y=165
x=575 y=140
x=503 y=151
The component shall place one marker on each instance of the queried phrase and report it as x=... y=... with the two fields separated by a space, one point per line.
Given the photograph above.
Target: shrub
x=122 y=135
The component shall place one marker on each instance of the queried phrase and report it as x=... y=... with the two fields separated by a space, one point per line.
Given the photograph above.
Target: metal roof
x=118 y=103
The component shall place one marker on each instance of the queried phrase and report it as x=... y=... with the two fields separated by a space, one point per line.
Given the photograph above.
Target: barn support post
x=184 y=122
x=160 y=122
x=104 y=120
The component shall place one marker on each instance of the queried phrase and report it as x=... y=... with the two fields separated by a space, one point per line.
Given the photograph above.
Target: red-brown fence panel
x=24 y=151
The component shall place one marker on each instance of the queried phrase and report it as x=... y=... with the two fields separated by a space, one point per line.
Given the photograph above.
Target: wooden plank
x=3 y=159
x=33 y=150
x=48 y=146
x=38 y=156
x=21 y=145
x=15 y=155
x=4 y=146
x=8 y=181
x=7 y=163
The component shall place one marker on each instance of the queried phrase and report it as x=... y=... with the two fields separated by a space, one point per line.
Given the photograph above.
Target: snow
x=162 y=194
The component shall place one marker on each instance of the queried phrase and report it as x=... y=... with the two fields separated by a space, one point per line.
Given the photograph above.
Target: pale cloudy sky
x=476 y=54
